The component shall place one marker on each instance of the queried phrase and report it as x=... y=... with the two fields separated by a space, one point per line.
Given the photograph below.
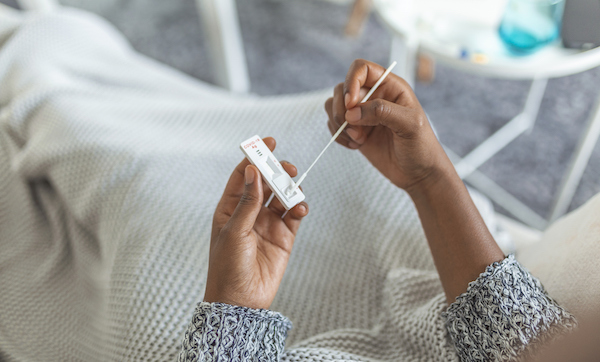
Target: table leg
x=360 y=13
x=514 y=128
x=404 y=51
x=578 y=163
x=501 y=197
x=38 y=5
x=220 y=19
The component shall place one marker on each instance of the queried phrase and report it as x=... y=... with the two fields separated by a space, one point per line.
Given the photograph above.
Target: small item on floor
x=480 y=58
x=425 y=69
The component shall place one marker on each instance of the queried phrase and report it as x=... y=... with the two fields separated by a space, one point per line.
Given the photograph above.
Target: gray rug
x=297 y=46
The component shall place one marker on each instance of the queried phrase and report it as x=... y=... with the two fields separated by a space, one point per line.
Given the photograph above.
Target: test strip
x=275 y=176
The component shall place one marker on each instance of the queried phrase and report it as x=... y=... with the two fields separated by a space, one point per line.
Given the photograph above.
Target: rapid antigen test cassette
x=272 y=172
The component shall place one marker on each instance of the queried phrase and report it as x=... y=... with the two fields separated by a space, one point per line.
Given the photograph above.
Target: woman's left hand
x=250 y=243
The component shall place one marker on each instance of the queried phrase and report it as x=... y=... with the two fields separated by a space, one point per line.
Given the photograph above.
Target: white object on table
x=463 y=34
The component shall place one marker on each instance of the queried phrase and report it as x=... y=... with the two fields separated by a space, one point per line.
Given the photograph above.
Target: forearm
x=505 y=315
x=461 y=245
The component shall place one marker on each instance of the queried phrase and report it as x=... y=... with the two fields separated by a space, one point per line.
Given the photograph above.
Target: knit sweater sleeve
x=504 y=315
x=223 y=332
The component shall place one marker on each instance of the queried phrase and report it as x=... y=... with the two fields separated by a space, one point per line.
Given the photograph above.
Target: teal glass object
x=528 y=25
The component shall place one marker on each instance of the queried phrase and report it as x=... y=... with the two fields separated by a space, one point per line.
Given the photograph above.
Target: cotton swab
x=339 y=131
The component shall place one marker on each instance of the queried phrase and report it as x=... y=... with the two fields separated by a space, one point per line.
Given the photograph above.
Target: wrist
x=256 y=300
x=439 y=178
x=214 y=295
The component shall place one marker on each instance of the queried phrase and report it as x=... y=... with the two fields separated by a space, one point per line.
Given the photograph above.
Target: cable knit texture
x=229 y=333
x=503 y=316
x=504 y=313
x=111 y=166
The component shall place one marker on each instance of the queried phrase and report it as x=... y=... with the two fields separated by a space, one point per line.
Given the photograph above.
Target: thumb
x=250 y=204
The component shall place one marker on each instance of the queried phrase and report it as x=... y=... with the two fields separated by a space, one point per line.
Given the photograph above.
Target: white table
x=463 y=34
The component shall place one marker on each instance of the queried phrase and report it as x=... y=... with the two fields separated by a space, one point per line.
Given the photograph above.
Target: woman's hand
x=391 y=129
x=250 y=244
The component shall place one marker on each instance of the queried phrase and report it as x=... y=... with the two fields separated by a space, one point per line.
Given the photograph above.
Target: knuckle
x=358 y=63
x=421 y=120
x=415 y=127
x=338 y=91
x=421 y=123
x=404 y=83
x=380 y=109
x=248 y=199
x=338 y=119
x=328 y=104
x=331 y=127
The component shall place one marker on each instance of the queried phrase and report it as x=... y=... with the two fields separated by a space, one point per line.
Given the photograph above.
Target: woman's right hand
x=391 y=129
x=393 y=132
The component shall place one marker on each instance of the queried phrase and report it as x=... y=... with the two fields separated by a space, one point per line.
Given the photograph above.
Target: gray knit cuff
x=504 y=315
x=223 y=332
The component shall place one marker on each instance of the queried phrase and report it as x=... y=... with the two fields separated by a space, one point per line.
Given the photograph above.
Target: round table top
x=464 y=34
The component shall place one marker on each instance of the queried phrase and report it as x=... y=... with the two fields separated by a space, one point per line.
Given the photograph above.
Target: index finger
x=363 y=73
x=295 y=215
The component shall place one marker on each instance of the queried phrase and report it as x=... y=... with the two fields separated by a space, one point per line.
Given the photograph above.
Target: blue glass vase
x=528 y=25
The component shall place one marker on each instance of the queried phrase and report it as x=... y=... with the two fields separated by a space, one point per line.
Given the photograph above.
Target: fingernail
x=249 y=175
x=302 y=209
x=353 y=133
x=347 y=99
x=353 y=115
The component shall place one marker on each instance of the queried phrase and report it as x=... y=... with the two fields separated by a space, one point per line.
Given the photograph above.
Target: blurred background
x=296 y=46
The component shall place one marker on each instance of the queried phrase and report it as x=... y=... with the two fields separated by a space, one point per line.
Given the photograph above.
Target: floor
x=298 y=46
